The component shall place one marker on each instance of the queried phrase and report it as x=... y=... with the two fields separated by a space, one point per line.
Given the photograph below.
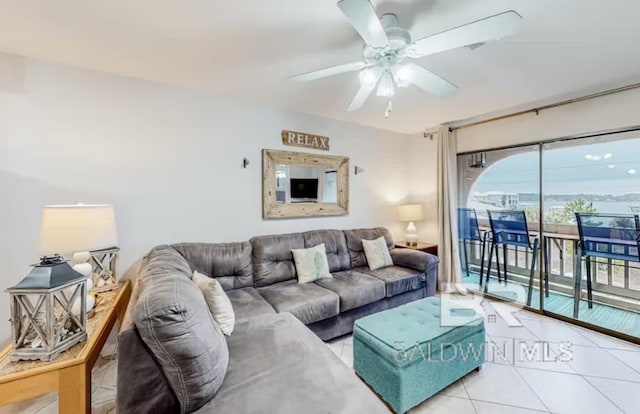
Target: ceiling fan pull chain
x=387 y=112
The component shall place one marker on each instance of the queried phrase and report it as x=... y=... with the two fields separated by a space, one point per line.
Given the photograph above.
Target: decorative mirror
x=297 y=184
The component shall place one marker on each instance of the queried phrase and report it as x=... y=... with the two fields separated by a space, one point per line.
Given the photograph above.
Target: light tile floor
x=583 y=372
x=599 y=374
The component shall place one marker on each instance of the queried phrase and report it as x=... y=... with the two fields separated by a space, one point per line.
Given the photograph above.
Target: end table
x=431 y=248
x=70 y=372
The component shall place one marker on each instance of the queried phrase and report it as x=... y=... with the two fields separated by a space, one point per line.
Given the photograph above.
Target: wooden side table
x=70 y=373
x=431 y=248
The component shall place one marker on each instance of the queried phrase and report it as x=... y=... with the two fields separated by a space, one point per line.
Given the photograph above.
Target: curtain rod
x=549 y=106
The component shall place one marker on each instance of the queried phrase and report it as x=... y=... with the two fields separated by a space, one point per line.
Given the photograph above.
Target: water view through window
x=595 y=176
x=600 y=177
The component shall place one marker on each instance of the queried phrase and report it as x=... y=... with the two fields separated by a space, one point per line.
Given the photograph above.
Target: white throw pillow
x=218 y=302
x=311 y=264
x=377 y=253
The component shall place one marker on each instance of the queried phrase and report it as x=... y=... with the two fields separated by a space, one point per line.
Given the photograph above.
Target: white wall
x=599 y=114
x=169 y=160
x=420 y=172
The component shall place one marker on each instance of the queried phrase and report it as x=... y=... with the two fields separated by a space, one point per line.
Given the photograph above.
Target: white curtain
x=450 y=270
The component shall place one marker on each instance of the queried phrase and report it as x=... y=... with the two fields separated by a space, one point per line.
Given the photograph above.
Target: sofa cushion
x=335 y=245
x=354 y=243
x=355 y=289
x=277 y=365
x=272 y=257
x=397 y=279
x=139 y=372
x=164 y=260
x=414 y=259
x=175 y=323
x=307 y=302
x=229 y=263
x=247 y=303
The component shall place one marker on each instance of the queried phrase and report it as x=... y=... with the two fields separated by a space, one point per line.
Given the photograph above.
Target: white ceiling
x=245 y=49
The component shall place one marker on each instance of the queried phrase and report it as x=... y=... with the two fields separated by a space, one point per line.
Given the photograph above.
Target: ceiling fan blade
x=361 y=97
x=334 y=70
x=484 y=30
x=430 y=82
x=363 y=17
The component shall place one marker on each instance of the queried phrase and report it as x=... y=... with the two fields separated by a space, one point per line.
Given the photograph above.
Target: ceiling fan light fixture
x=367 y=77
x=403 y=76
x=386 y=86
x=387 y=46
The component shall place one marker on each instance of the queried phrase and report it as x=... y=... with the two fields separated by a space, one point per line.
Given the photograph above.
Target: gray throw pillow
x=175 y=323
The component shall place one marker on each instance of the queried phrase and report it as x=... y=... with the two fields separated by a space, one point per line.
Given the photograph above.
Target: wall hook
x=358 y=170
x=245 y=162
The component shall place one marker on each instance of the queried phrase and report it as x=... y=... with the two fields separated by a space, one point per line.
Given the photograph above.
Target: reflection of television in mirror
x=304 y=190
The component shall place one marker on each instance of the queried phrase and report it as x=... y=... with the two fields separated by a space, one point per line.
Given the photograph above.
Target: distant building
x=500 y=199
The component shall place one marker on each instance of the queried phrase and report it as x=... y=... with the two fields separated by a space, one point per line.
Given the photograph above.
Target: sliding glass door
x=583 y=261
x=599 y=179
x=501 y=189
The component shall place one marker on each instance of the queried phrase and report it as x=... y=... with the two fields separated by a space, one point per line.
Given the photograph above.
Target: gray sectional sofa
x=275 y=363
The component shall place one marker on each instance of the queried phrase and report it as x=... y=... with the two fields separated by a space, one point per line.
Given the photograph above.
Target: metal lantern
x=104 y=267
x=48 y=311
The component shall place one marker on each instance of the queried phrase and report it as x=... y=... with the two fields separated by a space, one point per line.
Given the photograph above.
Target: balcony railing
x=615 y=282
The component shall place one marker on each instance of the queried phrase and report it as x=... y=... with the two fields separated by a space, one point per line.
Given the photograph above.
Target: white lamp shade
x=77 y=228
x=411 y=212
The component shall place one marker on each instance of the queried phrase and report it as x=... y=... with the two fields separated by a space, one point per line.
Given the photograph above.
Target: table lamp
x=76 y=229
x=411 y=213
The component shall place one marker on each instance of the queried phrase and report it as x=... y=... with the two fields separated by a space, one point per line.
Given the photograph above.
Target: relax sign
x=300 y=139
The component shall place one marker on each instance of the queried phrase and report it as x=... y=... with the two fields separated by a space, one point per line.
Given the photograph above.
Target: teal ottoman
x=406 y=355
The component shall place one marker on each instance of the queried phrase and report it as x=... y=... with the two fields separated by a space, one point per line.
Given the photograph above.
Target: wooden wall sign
x=301 y=139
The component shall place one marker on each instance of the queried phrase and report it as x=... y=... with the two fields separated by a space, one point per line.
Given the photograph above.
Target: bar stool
x=469 y=231
x=509 y=228
x=610 y=236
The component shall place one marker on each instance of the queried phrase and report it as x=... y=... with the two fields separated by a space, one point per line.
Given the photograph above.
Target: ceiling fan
x=388 y=46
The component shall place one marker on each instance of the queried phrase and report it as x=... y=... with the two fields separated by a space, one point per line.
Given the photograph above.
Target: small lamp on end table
x=411 y=213
x=77 y=229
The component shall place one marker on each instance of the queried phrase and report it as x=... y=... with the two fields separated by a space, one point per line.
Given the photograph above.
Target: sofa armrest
x=414 y=259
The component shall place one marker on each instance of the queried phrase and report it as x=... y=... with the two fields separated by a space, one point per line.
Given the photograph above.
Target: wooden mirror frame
x=274 y=210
